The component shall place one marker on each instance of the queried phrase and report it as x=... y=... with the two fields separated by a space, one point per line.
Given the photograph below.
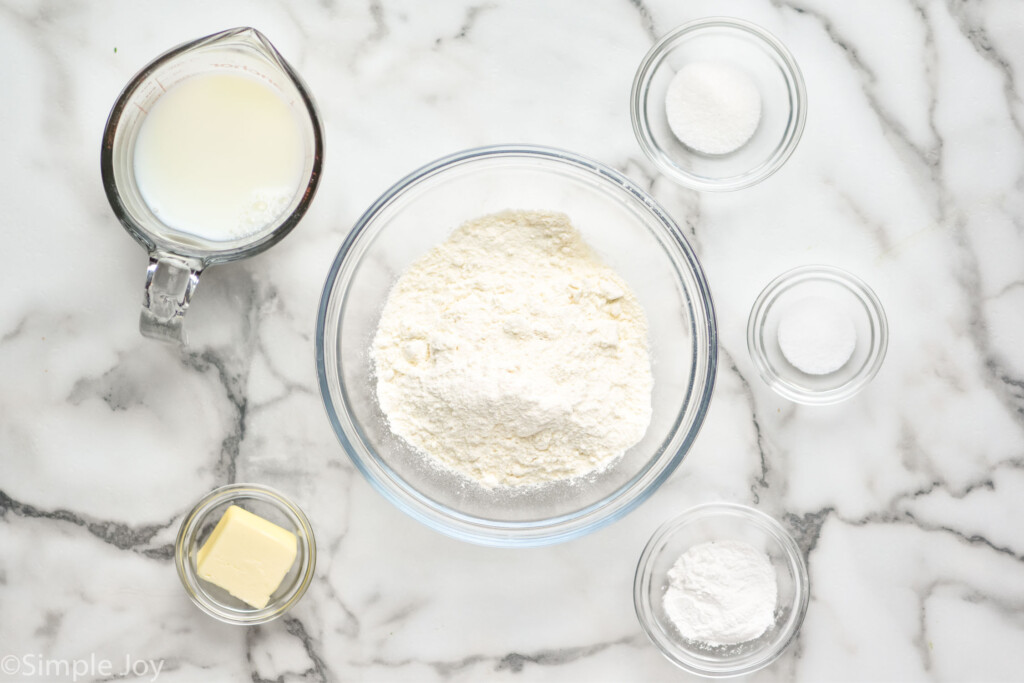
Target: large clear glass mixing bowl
x=628 y=231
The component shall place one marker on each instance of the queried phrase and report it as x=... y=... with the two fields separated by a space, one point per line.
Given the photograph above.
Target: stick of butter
x=247 y=556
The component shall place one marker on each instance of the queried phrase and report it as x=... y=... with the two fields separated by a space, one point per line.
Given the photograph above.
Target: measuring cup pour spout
x=207 y=192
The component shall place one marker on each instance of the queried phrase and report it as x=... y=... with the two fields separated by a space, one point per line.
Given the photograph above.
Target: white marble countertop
x=907 y=499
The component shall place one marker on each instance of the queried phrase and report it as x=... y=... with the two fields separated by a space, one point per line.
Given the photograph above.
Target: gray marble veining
x=906 y=500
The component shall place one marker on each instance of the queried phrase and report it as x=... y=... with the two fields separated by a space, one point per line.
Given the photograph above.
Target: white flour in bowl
x=512 y=355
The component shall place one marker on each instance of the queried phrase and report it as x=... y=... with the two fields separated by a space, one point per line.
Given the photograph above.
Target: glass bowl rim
x=654 y=58
x=190 y=527
x=748 y=515
x=558 y=528
x=857 y=288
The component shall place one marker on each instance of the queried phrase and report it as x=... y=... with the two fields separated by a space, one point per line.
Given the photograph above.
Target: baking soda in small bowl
x=721 y=593
x=721 y=589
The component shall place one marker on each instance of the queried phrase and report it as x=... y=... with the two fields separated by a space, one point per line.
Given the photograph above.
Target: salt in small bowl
x=850 y=296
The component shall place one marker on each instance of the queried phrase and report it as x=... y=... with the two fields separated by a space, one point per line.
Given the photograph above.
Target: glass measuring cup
x=177 y=258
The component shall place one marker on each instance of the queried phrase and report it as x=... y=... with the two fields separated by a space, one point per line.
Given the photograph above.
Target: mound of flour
x=512 y=356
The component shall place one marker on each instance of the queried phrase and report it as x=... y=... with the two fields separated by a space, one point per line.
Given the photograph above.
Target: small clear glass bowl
x=753 y=51
x=850 y=295
x=268 y=504
x=721 y=522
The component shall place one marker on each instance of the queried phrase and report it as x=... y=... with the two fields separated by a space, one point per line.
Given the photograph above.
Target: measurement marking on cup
x=144 y=110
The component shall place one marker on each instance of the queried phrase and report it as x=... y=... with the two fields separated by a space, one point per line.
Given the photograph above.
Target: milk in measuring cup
x=219 y=156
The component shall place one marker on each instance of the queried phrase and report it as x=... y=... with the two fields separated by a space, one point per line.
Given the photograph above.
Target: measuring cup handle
x=170 y=283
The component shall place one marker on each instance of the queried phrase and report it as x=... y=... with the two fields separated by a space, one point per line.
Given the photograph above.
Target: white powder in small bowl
x=721 y=593
x=712 y=108
x=815 y=337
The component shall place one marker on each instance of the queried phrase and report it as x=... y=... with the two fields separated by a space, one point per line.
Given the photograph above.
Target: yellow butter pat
x=247 y=556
